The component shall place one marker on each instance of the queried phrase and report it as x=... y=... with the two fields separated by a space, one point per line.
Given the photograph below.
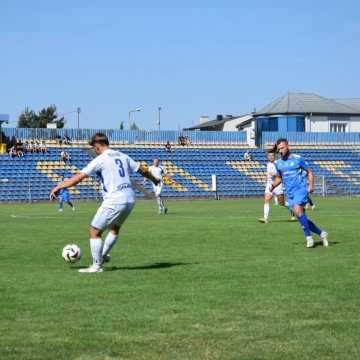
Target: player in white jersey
x=114 y=169
x=158 y=172
x=277 y=193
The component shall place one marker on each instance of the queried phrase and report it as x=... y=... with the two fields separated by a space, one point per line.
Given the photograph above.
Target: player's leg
x=282 y=202
x=61 y=205
x=114 y=229
x=71 y=205
x=267 y=199
x=311 y=203
x=308 y=226
x=276 y=200
x=163 y=206
x=98 y=224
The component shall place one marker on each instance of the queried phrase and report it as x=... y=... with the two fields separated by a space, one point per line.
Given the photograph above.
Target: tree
x=133 y=126
x=29 y=119
x=122 y=125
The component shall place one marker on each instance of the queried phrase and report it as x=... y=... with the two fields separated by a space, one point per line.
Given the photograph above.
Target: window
x=338 y=127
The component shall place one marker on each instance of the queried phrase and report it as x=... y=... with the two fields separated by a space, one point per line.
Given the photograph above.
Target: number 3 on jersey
x=119 y=164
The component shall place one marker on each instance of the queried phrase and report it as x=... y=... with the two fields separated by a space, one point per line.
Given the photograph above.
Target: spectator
x=168 y=147
x=59 y=140
x=31 y=146
x=65 y=156
x=183 y=140
x=66 y=140
x=12 y=151
x=37 y=146
x=43 y=147
x=247 y=156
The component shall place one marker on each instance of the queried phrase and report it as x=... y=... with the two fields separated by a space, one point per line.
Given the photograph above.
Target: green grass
x=205 y=282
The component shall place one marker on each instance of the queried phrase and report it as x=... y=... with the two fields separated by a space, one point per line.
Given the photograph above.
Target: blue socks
x=305 y=225
x=308 y=226
x=314 y=228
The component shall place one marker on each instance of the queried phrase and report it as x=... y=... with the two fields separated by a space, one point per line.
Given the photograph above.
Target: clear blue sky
x=192 y=58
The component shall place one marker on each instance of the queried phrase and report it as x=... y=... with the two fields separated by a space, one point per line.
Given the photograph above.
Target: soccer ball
x=71 y=253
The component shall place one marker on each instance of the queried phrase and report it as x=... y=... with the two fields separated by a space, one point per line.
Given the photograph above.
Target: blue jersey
x=292 y=172
x=64 y=195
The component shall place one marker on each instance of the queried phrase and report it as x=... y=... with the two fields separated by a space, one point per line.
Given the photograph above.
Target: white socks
x=160 y=202
x=109 y=242
x=266 y=210
x=96 y=246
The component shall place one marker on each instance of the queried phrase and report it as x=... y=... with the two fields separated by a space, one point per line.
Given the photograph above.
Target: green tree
x=122 y=125
x=133 y=126
x=29 y=119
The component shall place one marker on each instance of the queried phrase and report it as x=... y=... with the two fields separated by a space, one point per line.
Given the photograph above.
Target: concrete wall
x=322 y=123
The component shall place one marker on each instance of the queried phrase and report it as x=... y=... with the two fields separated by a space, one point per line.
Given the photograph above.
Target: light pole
x=130 y=112
x=78 y=110
x=159 y=117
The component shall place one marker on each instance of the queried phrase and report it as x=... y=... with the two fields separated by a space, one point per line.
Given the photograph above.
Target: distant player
x=64 y=197
x=310 y=203
x=277 y=193
x=298 y=188
x=114 y=169
x=158 y=172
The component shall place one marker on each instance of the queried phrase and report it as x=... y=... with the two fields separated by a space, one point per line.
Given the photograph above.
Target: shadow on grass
x=319 y=243
x=155 y=266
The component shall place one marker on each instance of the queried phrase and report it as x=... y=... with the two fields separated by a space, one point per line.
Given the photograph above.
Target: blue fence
x=312 y=138
x=130 y=136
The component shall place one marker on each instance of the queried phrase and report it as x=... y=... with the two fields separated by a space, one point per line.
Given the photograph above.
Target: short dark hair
x=271 y=151
x=99 y=138
x=279 y=141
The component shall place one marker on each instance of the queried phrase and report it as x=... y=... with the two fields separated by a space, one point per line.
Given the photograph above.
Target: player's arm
x=67 y=183
x=144 y=171
x=276 y=182
x=306 y=167
x=310 y=175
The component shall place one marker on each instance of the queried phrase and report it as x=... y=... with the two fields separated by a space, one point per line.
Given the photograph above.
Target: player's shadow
x=331 y=243
x=155 y=266
x=319 y=243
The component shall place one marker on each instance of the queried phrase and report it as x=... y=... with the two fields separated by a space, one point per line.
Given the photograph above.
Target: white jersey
x=271 y=170
x=158 y=172
x=114 y=169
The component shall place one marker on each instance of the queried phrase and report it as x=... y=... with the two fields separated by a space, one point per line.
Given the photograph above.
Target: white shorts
x=111 y=214
x=158 y=189
x=279 y=190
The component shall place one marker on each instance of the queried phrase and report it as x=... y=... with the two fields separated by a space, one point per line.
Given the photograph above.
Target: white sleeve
x=164 y=170
x=92 y=167
x=133 y=165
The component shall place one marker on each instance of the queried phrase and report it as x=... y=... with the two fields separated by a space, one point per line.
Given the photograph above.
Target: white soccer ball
x=71 y=253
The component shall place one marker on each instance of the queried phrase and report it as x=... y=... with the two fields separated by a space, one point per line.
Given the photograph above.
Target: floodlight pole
x=133 y=111
x=159 y=117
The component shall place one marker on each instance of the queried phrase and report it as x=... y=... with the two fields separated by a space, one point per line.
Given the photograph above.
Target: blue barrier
x=269 y=137
x=130 y=136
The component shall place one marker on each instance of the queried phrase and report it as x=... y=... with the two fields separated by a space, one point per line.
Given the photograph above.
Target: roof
x=307 y=103
x=354 y=103
x=211 y=123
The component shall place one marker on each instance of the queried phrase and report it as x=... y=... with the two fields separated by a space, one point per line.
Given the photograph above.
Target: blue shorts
x=298 y=197
x=64 y=198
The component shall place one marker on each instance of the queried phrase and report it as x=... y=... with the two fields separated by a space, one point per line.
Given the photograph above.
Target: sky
x=192 y=58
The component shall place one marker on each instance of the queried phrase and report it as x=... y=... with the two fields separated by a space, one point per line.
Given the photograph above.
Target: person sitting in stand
x=43 y=147
x=168 y=147
x=65 y=156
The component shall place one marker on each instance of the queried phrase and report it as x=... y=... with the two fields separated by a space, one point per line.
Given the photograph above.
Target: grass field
x=205 y=282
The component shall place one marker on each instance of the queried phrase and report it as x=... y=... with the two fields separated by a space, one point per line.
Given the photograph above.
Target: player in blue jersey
x=64 y=197
x=291 y=170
